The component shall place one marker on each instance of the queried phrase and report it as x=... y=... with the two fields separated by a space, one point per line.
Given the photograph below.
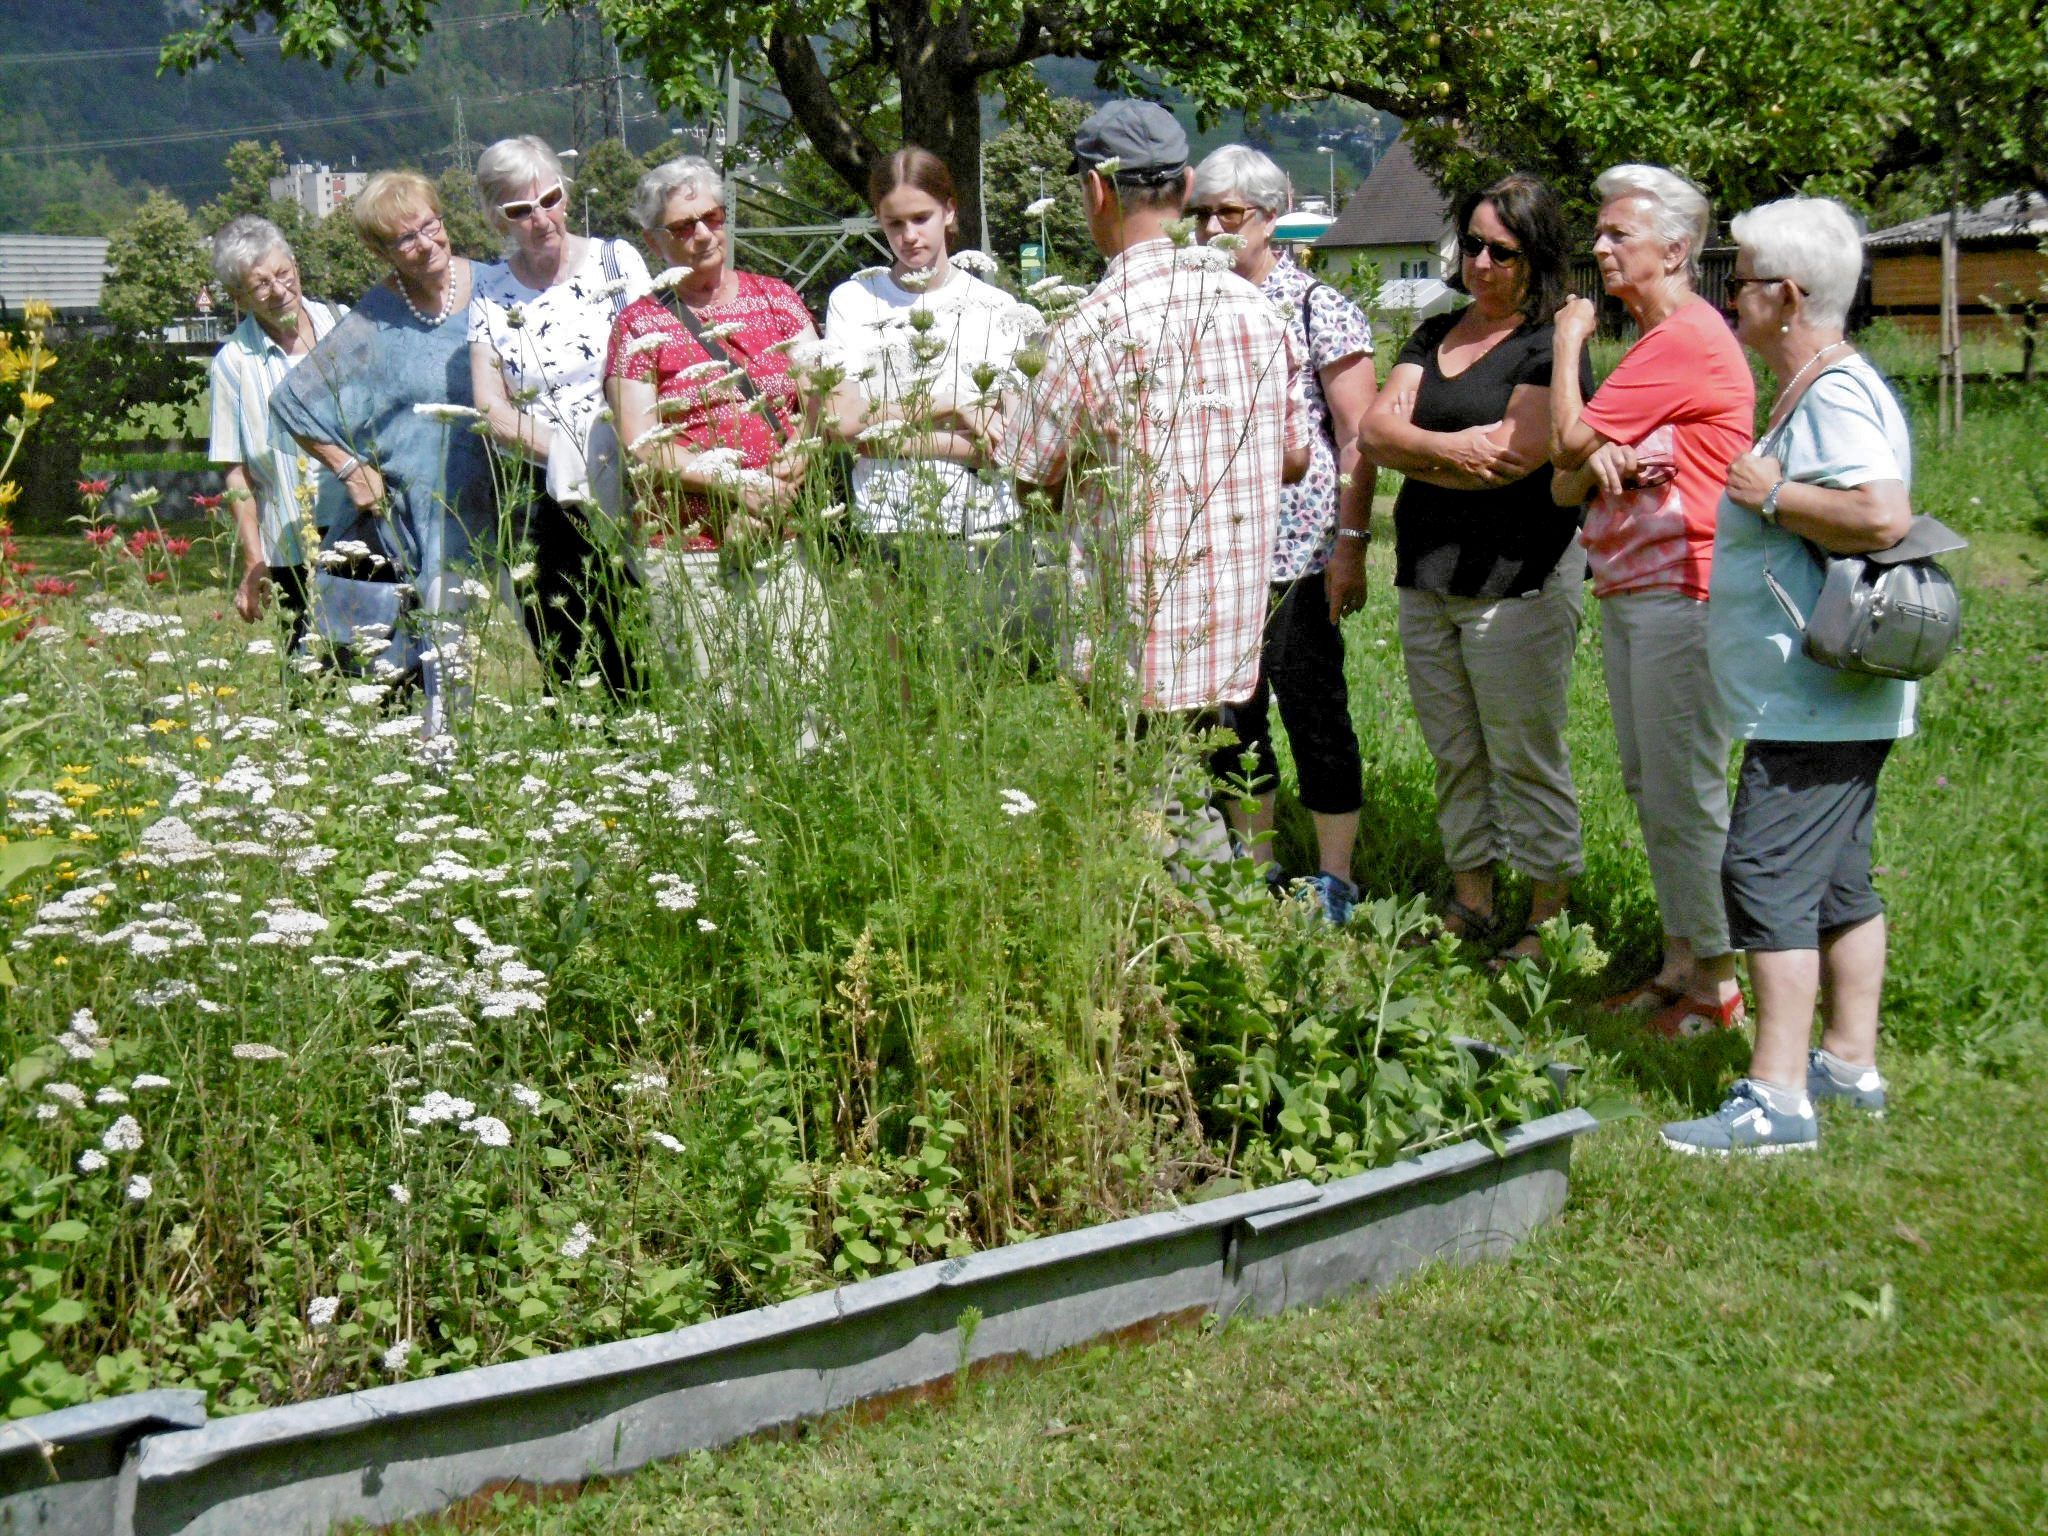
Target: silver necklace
x=432 y=321
x=1793 y=383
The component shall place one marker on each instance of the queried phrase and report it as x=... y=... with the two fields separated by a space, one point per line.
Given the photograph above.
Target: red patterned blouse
x=696 y=394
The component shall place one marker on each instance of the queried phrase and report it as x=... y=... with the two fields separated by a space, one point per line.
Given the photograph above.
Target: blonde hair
x=387 y=201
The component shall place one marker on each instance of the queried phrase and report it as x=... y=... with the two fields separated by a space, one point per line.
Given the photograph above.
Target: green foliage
x=156 y=265
x=606 y=174
x=250 y=166
x=1025 y=162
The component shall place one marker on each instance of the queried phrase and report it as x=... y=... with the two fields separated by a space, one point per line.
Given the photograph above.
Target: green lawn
x=1852 y=1341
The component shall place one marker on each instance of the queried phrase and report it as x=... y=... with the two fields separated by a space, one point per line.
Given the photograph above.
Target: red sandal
x=1691 y=1016
x=1644 y=997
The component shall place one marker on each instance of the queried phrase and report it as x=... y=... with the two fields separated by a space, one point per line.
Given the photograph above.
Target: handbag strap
x=1774 y=438
x=713 y=349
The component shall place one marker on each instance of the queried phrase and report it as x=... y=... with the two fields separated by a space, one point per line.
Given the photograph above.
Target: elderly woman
x=1486 y=565
x=699 y=377
x=265 y=472
x=539 y=324
x=1651 y=450
x=354 y=405
x=1832 y=470
x=1319 y=556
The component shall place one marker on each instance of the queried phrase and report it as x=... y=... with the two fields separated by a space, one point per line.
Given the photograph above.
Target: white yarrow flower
x=489 y=1130
x=578 y=1242
x=140 y=1188
x=400 y=1195
x=1017 y=803
x=320 y=1311
x=665 y=1141
x=526 y=1098
x=124 y=1135
x=147 y=1080
x=668 y=277
x=396 y=1356
x=91 y=1160
x=251 y=1050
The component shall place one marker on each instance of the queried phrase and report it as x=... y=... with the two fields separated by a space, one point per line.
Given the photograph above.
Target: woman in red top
x=1651 y=450
x=699 y=377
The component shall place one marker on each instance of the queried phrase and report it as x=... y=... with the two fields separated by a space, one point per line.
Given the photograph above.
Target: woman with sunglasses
x=698 y=373
x=1318 y=571
x=539 y=324
x=1648 y=455
x=1487 y=567
x=352 y=405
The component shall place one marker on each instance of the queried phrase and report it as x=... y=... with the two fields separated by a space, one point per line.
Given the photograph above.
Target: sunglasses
x=412 y=238
x=525 y=207
x=1503 y=255
x=682 y=229
x=1737 y=284
x=1229 y=215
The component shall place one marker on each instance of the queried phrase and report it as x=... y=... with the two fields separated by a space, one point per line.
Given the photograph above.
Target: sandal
x=1477 y=927
x=1644 y=997
x=1506 y=956
x=1691 y=1016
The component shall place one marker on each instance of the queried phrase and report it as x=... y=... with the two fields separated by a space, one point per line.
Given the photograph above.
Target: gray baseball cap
x=1140 y=136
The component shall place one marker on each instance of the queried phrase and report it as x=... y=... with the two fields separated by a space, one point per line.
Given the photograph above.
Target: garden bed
x=393 y=1452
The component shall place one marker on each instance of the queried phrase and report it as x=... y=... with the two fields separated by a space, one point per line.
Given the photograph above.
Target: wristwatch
x=1363 y=535
x=1769 y=510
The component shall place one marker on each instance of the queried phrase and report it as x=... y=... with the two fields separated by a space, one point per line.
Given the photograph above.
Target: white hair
x=1253 y=176
x=241 y=243
x=684 y=173
x=1679 y=210
x=510 y=168
x=1813 y=241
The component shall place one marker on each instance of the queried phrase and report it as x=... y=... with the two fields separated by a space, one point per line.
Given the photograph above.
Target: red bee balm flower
x=100 y=538
x=177 y=548
x=94 y=488
x=155 y=577
x=51 y=586
x=206 y=503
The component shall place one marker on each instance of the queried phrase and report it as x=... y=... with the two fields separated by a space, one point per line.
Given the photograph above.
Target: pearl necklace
x=1793 y=383
x=435 y=320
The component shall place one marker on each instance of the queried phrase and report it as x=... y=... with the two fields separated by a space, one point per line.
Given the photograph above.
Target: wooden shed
x=2000 y=260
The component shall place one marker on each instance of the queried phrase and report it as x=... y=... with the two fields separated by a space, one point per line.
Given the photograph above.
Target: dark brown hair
x=1531 y=212
x=912 y=166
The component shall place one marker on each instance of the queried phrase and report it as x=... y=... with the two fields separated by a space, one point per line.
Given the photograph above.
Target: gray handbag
x=1890 y=613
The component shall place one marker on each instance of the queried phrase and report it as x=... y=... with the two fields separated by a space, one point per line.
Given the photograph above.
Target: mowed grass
x=1856 y=1341
x=1852 y=1341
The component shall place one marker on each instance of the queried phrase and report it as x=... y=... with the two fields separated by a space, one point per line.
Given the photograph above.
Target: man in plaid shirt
x=1168 y=396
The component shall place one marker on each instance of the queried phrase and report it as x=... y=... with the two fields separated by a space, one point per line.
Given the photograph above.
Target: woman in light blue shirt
x=1831 y=473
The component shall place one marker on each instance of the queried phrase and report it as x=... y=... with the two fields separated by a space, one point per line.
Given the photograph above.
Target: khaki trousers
x=1490 y=679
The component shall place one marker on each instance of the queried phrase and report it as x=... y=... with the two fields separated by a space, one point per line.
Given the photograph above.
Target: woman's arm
x=1349 y=385
x=1874 y=515
x=510 y=427
x=1572 y=442
x=363 y=481
x=1475 y=458
x=634 y=407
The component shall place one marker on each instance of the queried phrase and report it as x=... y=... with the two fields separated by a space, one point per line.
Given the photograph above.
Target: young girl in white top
x=927 y=347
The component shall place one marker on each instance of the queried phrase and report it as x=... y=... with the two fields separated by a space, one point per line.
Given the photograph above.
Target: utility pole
x=728 y=162
x=463 y=157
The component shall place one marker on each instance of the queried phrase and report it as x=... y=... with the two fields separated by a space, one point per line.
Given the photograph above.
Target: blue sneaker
x=1746 y=1123
x=1336 y=896
x=1865 y=1089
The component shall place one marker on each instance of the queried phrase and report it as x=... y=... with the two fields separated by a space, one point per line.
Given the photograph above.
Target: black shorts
x=1798 y=862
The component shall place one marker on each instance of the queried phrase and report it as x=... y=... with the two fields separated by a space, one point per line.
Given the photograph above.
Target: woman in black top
x=1489 y=570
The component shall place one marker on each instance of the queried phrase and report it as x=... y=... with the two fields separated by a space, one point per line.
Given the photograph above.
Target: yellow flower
x=203 y=745
x=226 y=691
x=9 y=493
x=60 y=960
x=34 y=400
x=79 y=767
x=80 y=835
x=38 y=313
x=160 y=725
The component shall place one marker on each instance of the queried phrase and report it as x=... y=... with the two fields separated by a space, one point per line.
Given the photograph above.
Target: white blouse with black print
x=1327 y=329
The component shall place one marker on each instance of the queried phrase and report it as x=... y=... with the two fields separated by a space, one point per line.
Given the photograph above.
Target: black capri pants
x=1301 y=662
x=1797 y=866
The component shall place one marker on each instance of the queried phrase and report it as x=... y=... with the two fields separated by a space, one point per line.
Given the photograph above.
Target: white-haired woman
x=1319 y=555
x=539 y=324
x=265 y=469
x=1833 y=469
x=699 y=378
x=1650 y=451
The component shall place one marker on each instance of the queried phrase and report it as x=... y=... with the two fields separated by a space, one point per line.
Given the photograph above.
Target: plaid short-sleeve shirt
x=1170 y=396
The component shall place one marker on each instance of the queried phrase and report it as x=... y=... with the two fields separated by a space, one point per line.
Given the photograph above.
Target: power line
x=330 y=120
x=96 y=55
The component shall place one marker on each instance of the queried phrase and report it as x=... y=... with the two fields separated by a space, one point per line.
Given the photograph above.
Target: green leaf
x=557 y=1157
x=24 y=1346
x=864 y=1250
x=62 y=1313
x=66 y=1232
x=17 y=859
x=1610 y=1107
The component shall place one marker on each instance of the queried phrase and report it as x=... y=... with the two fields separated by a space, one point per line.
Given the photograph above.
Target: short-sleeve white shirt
x=867 y=322
x=244 y=372
x=550 y=342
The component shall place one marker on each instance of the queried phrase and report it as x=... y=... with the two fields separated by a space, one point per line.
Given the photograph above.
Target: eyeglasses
x=1737 y=284
x=1231 y=216
x=1503 y=255
x=681 y=229
x=525 y=207
x=266 y=284
x=412 y=239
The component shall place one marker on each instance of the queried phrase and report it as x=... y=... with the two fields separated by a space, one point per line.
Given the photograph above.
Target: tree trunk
x=942 y=100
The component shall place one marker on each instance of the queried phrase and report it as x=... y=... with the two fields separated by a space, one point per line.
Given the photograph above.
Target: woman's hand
x=1344 y=579
x=1484 y=453
x=1614 y=467
x=1750 y=479
x=252 y=591
x=1575 y=322
x=365 y=486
